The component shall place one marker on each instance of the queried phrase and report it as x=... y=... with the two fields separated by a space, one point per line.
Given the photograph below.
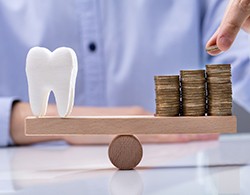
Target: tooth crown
x=51 y=71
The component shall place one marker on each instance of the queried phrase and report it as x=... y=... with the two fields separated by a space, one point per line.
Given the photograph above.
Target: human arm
x=22 y=110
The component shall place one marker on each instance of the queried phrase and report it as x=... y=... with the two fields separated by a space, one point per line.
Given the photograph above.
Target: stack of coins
x=167 y=89
x=219 y=87
x=193 y=92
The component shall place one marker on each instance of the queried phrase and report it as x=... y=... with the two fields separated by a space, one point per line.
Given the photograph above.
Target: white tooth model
x=51 y=71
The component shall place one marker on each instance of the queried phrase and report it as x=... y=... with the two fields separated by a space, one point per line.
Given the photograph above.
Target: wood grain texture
x=129 y=125
x=125 y=152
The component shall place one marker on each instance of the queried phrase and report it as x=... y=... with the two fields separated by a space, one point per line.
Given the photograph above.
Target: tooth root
x=64 y=101
x=39 y=102
x=72 y=97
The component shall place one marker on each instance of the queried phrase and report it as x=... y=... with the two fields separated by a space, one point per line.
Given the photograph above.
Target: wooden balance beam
x=125 y=151
x=89 y=125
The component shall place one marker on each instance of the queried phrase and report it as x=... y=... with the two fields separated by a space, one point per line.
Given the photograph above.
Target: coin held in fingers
x=212 y=48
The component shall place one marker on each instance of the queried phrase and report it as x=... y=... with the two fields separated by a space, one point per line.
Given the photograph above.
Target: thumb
x=236 y=14
x=211 y=46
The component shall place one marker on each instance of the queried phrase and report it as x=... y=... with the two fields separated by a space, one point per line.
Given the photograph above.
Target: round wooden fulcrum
x=125 y=152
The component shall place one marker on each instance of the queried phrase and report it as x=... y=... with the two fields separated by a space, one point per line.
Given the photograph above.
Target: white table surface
x=214 y=167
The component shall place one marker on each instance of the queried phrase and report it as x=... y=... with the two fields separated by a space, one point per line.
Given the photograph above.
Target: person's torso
x=120 y=45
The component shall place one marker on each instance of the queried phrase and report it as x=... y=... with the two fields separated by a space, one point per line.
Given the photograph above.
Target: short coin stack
x=219 y=87
x=167 y=89
x=193 y=92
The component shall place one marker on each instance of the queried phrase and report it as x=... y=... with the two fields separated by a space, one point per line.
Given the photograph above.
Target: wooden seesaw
x=125 y=151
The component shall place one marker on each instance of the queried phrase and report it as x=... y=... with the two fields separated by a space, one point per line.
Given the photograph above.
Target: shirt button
x=92 y=46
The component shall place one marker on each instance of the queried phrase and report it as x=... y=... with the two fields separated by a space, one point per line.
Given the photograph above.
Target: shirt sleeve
x=237 y=55
x=5 y=116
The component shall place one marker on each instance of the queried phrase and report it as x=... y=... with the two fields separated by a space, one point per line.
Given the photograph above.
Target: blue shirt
x=120 y=46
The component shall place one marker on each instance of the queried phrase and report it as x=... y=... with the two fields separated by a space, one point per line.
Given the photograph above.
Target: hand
x=237 y=16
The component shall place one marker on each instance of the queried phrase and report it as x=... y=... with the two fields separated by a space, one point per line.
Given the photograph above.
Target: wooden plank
x=129 y=125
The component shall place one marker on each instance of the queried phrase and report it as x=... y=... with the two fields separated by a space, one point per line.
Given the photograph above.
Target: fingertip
x=224 y=42
x=212 y=47
x=213 y=50
x=214 y=53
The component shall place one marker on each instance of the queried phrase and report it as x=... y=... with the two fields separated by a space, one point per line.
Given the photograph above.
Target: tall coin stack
x=219 y=89
x=167 y=89
x=193 y=92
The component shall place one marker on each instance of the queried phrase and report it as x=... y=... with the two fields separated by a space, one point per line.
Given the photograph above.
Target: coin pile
x=219 y=87
x=167 y=89
x=193 y=92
